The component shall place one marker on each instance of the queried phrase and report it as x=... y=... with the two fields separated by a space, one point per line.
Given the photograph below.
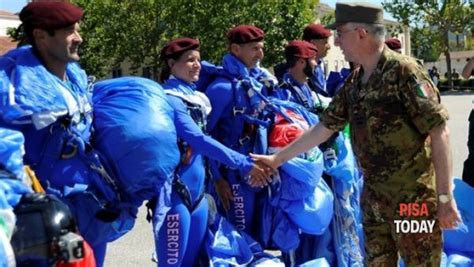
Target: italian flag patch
x=423 y=90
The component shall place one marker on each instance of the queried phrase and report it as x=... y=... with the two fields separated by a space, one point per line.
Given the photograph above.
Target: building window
x=117 y=72
x=147 y=72
x=150 y=73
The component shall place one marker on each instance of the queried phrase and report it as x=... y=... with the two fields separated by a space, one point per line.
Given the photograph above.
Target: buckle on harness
x=70 y=154
x=330 y=154
x=182 y=190
x=239 y=111
x=244 y=140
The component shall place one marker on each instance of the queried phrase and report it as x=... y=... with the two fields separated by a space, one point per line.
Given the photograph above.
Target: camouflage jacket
x=390 y=117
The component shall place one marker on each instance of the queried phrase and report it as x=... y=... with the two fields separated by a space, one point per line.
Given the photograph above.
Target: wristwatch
x=444 y=198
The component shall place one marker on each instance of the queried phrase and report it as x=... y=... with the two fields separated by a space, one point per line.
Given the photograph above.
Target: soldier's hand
x=224 y=192
x=448 y=215
x=260 y=175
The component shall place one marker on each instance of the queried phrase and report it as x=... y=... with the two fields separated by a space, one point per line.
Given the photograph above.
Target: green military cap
x=357 y=12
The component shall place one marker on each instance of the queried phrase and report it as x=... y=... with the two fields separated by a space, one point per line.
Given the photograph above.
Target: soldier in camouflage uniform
x=400 y=138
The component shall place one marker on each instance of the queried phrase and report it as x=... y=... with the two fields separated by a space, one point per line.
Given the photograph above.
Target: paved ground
x=135 y=248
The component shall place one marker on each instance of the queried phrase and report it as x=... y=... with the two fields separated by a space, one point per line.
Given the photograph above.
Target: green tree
x=433 y=20
x=136 y=30
x=425 y=44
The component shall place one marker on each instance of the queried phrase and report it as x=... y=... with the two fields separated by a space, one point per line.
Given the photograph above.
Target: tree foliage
x=433 y=20
x=136 y=30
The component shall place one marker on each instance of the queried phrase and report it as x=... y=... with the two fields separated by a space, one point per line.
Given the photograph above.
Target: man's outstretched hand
x=268 y=160
x=448 y=215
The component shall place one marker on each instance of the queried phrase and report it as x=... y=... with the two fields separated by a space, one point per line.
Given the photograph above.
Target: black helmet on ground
x=45 y=232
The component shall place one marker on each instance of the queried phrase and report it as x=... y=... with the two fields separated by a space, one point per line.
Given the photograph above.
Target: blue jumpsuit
x=181 y=238
x=234 y=121
x=319 y=80
x=41 y=103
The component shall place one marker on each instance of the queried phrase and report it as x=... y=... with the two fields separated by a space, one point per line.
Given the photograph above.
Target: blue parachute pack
x=134 y=130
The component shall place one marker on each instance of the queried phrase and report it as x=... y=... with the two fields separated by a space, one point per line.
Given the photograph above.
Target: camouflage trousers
x=385 y=242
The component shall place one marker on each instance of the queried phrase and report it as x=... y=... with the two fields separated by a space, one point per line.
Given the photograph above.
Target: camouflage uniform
x=390 y=117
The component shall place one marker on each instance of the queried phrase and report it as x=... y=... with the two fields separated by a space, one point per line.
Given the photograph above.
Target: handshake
x=263 y=169
x=259 y=176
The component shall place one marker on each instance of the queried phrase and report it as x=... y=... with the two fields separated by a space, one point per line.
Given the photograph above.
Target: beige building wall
x=334 y=60
x=8 y=20
x=458 y=61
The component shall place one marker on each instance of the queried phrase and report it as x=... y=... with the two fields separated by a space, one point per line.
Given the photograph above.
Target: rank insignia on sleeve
x=424 y=90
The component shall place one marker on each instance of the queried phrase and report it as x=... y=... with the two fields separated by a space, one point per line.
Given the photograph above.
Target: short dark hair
x=165 y=72
x=24 y=35
x=291 y=61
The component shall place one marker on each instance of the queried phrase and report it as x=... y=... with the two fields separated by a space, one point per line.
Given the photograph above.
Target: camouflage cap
x=357 y=12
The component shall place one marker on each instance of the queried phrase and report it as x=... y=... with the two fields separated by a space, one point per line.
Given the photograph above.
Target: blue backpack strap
x=240 y=103
x=54 y=147
x=297 y=93
x=238 y=110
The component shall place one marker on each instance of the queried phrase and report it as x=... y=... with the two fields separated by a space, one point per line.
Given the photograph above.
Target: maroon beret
x=50 y=15
x=394 y=44
x=245 y=34
x=301 y=49
x=315 y=31
x=178 y=46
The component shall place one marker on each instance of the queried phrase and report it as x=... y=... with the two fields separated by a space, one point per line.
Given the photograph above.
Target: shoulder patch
x=424 y=90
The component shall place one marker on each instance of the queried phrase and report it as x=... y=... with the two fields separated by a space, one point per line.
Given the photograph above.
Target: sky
x=15 y=6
